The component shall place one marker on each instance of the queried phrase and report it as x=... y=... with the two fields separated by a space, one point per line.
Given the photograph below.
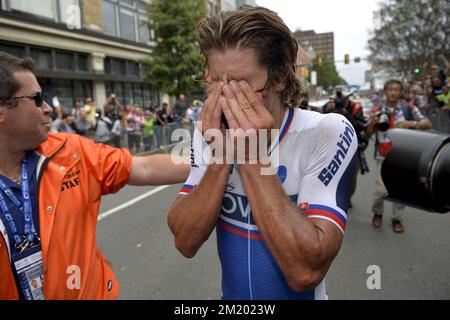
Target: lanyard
x=29 y=230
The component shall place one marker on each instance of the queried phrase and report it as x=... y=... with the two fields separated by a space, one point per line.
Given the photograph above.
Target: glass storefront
x=66 y=90
x=128 y=93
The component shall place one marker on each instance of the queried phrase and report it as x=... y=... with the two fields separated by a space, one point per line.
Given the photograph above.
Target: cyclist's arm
x=193 y=216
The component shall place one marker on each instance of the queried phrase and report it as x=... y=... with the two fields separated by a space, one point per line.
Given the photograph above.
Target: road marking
x=131 y=202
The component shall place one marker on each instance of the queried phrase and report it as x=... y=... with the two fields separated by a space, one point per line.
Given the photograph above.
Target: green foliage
x=409 y=33
x=176 y=58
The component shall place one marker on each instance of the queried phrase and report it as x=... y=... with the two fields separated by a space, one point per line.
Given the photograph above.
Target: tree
x=327 y=75
x=409 y=33
x=175 y=61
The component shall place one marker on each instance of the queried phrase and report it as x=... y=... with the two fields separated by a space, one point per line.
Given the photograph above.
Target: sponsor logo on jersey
x=236 y=207
x=343 y=145
x=193 y=155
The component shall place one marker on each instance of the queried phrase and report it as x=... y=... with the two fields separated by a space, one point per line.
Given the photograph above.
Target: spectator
x=102 y=128
x=66 y=124
x=90 y=109
x=76 y=109
x=161 y=121
x=149 y=131
x=394 y=114
x=179 y=109
x=443 y=99
x=119 y=130
x=135 y=120
x=82 y=125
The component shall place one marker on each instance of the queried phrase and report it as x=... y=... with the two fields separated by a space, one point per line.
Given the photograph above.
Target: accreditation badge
x=28 y=266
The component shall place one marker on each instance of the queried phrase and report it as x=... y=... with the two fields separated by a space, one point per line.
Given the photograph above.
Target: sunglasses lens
x=39 y=99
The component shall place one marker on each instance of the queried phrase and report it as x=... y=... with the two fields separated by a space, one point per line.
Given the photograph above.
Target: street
x=413 y=265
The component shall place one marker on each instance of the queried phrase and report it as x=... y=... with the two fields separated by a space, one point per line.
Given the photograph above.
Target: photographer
x=394 y=114
x=354 y=114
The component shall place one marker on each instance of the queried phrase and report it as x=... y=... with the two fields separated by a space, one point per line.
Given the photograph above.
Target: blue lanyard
x=29 y=231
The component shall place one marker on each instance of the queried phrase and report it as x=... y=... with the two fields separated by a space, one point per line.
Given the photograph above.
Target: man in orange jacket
x=50 y=191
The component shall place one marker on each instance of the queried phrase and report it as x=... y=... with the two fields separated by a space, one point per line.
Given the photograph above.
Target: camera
x=416 y=172
x=383 y=121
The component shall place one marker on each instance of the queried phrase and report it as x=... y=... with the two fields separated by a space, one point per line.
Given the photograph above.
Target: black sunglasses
x=38 y=98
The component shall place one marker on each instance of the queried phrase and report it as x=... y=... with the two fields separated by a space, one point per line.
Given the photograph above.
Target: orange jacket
x=73 y=174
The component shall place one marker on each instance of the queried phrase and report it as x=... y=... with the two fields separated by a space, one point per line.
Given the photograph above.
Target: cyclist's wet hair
x=263 y=31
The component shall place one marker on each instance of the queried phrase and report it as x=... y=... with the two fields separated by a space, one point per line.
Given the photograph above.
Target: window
x=120 y=19
x=14 y=50
x=118 y=90
x=42 y=58
x=137 y=92
x=127 y=24
x=146 y=93
x=144 y=32
x=109 y=18
x=64 y=61
x=81 y=90
x=118 y=67
x=63 y=90
x=56 y=10
x=107 y=66
x=83 y=63
x=132 y=69
x=128 y=93
x=129 y=3
x=108 y=88
x=64 y=6
x=43 y=8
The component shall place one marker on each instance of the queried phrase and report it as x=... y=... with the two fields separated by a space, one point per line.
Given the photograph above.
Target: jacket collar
x=52 y=145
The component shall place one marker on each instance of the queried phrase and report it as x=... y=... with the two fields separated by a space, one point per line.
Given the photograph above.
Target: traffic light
x=305 y=73
x=417 y=70
x=357 y=60
x=319 y=61
x=347 y=59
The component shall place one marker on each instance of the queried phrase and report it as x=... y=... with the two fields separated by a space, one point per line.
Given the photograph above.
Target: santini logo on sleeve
x=346 y=138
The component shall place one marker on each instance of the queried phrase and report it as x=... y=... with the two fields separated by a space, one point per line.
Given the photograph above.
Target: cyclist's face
x=241 y=64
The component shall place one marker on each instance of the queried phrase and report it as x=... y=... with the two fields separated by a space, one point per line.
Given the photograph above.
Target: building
x=319 y=43
x=228 y=5
x=242 y=2
x=304 y=62
x=82 y=48
x=213 y=7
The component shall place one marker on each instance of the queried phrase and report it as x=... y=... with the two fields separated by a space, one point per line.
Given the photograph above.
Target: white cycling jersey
x=315 y=167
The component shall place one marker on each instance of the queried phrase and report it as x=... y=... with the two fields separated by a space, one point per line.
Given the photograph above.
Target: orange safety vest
x=73 y=174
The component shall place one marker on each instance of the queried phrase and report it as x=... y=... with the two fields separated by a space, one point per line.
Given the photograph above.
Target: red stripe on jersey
x=327 y=214
x=239 y=232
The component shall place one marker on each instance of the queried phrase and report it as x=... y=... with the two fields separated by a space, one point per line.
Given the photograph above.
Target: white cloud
x=350 y=20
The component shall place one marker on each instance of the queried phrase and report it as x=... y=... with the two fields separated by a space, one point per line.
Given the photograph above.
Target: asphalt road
x=412 y=265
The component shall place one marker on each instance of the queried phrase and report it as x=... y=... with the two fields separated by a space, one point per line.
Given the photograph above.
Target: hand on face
x=244 y=108
x=247 y=116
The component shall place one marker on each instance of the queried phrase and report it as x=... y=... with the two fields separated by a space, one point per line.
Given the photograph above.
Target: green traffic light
x=417 y=70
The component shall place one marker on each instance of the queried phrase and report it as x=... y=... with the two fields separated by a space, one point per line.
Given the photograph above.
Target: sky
x=350 y=20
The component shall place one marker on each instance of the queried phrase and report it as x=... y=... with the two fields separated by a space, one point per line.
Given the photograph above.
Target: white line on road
x=131 y=202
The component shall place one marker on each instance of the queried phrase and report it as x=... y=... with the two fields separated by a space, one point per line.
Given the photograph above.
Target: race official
x=51 y=185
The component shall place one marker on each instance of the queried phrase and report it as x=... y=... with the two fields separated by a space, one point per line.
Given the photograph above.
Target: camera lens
x=416 y=171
